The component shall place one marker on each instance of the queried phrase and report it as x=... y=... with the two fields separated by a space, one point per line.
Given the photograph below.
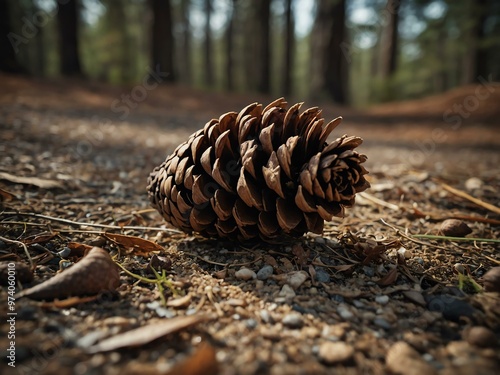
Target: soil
x=369 y=296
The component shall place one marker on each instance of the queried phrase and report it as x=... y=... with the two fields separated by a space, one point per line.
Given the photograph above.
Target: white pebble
x=383 y=300
x=245 y=274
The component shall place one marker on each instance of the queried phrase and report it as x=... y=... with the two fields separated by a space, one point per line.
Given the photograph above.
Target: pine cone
x=265 y=173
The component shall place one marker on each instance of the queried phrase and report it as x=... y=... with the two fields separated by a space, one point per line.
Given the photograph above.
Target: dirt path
x=318 y=306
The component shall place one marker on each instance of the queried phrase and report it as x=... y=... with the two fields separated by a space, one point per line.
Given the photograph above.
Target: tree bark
x=162 y=39
x=230 y=47
x=328 y=64
x=186 y=42
x=263 y=58
x=389 y=45
x=67 y=17
x=289 y=48
x=209 y=68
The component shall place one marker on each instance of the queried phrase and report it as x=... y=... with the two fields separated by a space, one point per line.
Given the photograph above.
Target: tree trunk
x=209 y=68
x=10 y=43
x=186 y=42
x=162 y=40
x=328 y=63
x=481 y=53
x=289 y=48
x=230 y=47
x=263 y=58
x=67 y=17
x=389 y=45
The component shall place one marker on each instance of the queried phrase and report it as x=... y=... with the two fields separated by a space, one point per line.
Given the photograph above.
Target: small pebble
x=322 y=275
x=383 y=300
x=335 y=352
x=251 y=323
x=245 y=274
x=344 y=312
x=337 y=298
x=296 y=278
x=455 y=228
x=293 y=320
x=65 y=252
x=369 y=271
x=382 y=323
x=287 y=291
x=473 y=183
x=491 y=280
x=266 y=316
x=265 y=272
x=481 y=337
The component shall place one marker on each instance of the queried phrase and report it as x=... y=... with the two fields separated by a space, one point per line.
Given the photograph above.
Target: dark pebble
x=337 y=298
x=451 y=307
x=322 y=276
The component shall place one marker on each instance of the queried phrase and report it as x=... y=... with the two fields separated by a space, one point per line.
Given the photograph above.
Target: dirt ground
x=374 y=294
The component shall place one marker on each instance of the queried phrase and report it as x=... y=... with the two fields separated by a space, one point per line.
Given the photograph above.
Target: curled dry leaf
x=34 y=181
x=137 y=245
x=147 y=333
x=95 y=273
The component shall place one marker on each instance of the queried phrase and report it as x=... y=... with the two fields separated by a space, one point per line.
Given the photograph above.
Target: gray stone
x=265 y=272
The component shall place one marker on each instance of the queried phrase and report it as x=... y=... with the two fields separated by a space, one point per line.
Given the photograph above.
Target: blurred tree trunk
x=163 y=41
x=328 y=64
x=186 y=41
x=389 y=44
x=289 y=48
x=209 y=68
x=263 y=37
x=67 y=17
x=481 y=53
x=8 y=58
x=121 y=48
x=230 y=47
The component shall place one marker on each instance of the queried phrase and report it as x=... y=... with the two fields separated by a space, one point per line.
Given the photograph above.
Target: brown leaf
x=39 y=238
x=68 y=302
x=6 y=195
x=137 y=245
x=35 y=181
x=145 y=334
x=95 y=273
x=300 y=254
x=389 y=278
x=79 y=249
x=202 y=362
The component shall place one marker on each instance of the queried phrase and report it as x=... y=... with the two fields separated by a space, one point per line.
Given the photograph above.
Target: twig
x=464 y=195
x=410 y=238
x=71 y=222
x=379 y=202
x=24 y=247
x=446 y=238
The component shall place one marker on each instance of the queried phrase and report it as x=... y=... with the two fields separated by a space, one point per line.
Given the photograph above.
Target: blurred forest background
x=355 y=52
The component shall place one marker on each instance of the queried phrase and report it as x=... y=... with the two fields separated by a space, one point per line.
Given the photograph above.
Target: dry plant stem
x=446 y=238
x=409 y=238
x=379 y=202
x=24 y=247
x=464 y=195
x=71 y=222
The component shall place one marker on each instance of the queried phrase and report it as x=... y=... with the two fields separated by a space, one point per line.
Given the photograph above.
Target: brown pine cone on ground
x=267 y=173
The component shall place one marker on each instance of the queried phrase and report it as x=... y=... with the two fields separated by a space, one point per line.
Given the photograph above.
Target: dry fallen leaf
x=145 y=334
x=202 y=362
x=35 y=181
x=6 y=195
x=65 y=303
x=137 y=245
x=95 y=273
x=389 y=278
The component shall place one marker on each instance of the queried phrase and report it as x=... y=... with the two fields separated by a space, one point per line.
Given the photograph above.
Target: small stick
x=464 y=195
x=449 y=238
x=24 y=247
x=378 y=201
x=71 y=222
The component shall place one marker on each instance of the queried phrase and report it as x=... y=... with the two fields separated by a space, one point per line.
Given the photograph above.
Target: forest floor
x=74 y=158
